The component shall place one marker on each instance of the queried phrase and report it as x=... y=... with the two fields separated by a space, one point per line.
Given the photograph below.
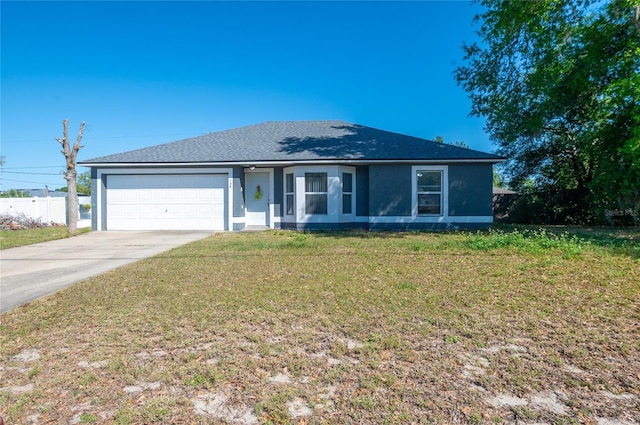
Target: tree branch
x=76 y=147
x=65 y=134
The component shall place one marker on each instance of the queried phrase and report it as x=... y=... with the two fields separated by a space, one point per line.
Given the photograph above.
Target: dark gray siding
x=238 y=184
x=278 y=199
x=323 y=226
x=427 y=226
x=470 y=189
x=390 y=190
x=362 y=191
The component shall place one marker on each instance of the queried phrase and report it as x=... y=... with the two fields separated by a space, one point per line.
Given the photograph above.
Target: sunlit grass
x=16 y=238
x=369 y=327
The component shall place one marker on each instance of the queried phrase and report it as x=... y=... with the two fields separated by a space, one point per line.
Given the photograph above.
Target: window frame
x=347 y=193
x=334 y=194
x=444 y=191
x=429 y=193
x=290 y=194
x=307 y=193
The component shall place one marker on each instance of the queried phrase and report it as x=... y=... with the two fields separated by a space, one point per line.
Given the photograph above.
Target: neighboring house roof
x=503 y=191
x=296 y=141
x=43 y=192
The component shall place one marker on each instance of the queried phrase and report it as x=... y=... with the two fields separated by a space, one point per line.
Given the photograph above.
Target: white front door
x=257 y=199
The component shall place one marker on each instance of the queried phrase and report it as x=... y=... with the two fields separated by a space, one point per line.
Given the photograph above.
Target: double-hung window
x=429 y=188
x=347 y=193
x=315 y=193
x=289 y=191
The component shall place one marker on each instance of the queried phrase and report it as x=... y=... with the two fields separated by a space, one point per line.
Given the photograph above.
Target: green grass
x=367 y=327
x=16 y=238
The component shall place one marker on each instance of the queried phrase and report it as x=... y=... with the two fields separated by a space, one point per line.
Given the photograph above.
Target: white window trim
x=326 y=175
x=292 y=193
x=444 y=216
x=351 y=170
x=334 y=194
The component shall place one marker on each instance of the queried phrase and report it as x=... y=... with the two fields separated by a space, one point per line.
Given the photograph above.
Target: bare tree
x=70 y=153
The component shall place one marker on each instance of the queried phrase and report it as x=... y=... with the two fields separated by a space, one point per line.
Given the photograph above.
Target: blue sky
x=145 y=73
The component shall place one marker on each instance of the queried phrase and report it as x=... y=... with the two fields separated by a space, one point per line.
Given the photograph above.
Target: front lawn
x=286 y=327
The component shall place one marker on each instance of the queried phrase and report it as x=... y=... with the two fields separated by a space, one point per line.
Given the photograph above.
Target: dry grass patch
x=284 y=327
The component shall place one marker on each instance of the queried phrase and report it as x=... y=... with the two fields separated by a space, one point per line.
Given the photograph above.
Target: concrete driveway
x=30 y=272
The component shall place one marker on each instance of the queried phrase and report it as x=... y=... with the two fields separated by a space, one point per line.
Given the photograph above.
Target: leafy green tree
x=498 y=178
x=14 y=193
x=440 y=139
x=83 y=184
x=559 y=85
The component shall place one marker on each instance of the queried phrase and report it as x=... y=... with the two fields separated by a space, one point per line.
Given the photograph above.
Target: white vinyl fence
x=48 y=209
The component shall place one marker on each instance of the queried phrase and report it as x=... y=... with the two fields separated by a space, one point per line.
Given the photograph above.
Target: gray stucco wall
x=470 y=189
x=278 y=200
x=238 y=198
x=390 y=190
x=362 y=191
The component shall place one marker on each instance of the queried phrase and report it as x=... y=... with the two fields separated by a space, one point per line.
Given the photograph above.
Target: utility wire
x=27 y=168
x=93 y=138
x=26 y=172
x=24 y=181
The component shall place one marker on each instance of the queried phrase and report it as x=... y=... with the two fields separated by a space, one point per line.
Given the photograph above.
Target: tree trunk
x=72 y=201
x=70 y=154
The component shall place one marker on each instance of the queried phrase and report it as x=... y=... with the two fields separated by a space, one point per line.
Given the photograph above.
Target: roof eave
x=292 y=162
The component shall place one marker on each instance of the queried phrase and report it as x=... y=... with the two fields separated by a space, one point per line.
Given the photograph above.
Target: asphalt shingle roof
x=296 y=141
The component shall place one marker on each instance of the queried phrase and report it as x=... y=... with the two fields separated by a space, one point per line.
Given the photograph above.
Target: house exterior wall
x=470 y=189
x=384 y=196
x=466 y=199
x=99 y=194
x=278 y=193
x=362 y=191
x=390 y=190
x=238 y=199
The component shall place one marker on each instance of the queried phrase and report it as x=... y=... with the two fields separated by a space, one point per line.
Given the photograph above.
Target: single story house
x=294 y=175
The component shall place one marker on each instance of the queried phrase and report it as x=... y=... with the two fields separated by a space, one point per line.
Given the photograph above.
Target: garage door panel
x=166 y=202
x=129 y=196
x=129 y=210
x=145 y=195
x=206 y=209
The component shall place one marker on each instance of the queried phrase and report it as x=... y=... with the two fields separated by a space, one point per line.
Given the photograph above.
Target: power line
x=92 y=138
x=26 y=172
x=27 y=168
x=24 y=181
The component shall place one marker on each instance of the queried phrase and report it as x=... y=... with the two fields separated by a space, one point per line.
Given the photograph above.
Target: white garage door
x=166 y=202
